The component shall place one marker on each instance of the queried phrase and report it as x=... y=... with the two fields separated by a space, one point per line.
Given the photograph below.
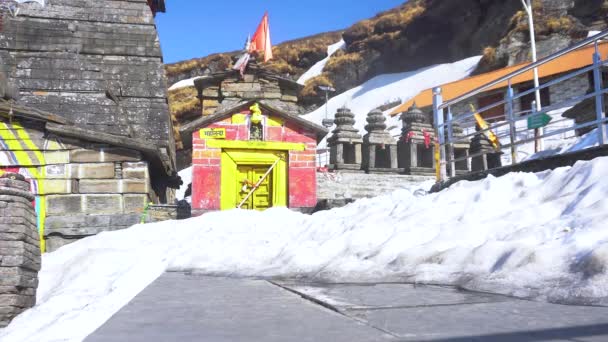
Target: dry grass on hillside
x=183 y=100
x=222 y=60
x=311 y=85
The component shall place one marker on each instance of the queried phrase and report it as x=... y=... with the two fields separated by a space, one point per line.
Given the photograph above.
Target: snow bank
x=574 y=144
x=541 y=236
x=317 y=69
x=386 y=88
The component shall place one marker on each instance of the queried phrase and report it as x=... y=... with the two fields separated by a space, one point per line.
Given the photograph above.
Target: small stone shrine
x=19 y=248
x=415 y=147
x=484 y=155
x=379 y=147
x=345 y=143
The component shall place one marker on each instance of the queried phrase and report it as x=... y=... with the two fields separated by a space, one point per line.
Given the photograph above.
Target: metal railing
x=510 y=129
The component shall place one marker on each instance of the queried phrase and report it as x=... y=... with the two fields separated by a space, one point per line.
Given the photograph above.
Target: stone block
x=11 y=183
x=103 y=204
x=14 y=276
x=56 y=157
x=17 y=300
x=289 y=98
x=113 y=186
x=271 y=95
x=135 y=203
x=64 y=204
x=127 y=220
x=104 y=155
x=20 y=260
x=79 y=171
x=57 y=186
x=135 y=171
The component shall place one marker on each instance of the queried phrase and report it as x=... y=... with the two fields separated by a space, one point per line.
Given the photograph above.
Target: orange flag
x=261 y=39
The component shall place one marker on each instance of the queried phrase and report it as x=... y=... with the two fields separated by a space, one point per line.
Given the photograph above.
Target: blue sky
x=196 y=28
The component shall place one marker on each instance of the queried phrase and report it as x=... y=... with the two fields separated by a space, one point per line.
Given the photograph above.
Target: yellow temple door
x=243 y=168
x=247 y=177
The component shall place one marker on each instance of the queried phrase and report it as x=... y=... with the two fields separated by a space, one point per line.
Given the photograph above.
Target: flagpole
x=538 y=142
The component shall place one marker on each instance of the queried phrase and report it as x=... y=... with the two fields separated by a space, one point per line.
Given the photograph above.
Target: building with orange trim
x=571 y=88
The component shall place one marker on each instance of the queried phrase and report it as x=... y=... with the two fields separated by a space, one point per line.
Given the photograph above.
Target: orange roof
x=574 y=60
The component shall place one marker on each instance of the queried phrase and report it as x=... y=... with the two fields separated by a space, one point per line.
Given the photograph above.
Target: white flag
x=41 y=2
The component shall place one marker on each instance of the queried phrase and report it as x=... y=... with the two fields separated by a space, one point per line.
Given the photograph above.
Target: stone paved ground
x=180 y=307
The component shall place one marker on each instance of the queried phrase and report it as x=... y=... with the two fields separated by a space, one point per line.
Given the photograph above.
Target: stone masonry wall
x=81 y=189
x=95 y=62
x=19 y=248
x=233 y=90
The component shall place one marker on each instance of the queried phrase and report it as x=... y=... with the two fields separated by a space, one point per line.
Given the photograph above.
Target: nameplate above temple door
x=213 y=133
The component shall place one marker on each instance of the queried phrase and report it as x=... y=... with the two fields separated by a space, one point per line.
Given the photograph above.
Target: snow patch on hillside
x=317 y=69
x=386 y=88
x=184 y=83
x=540 y=236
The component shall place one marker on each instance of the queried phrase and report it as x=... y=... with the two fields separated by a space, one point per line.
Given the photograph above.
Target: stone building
x=558 y=93
x=96 y=63
x=85 y=117
x=84 y=181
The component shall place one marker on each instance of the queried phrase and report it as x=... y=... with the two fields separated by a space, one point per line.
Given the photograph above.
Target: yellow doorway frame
x=232 y=158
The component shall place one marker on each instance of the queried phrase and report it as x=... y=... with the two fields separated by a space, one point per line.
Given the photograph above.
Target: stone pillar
x=19 y=248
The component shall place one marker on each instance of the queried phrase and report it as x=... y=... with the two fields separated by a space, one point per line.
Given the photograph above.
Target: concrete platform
x=180 y=307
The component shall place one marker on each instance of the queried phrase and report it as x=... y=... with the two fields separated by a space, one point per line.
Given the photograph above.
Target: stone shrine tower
x=379 y=148
x=345 y=143
x=416 y=147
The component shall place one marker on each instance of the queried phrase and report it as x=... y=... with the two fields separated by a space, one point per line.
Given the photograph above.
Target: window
x=493 y=114
x=526 y=100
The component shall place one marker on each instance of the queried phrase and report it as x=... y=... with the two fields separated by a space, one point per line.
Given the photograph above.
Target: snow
x=386 y=88
x=317 y=69
x=556 y=147
x=183 y=83
x=186 y=176
x=541 y=236
x=593 y=33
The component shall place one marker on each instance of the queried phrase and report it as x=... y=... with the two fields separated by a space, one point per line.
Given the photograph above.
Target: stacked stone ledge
x=94 y=190
x=19 y=248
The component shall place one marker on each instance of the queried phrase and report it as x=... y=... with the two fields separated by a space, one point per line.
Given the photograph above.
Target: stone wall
x=97 y=63
x=565 y=90
x=232 y=90
x=574 y=87
x=81 y=188
x=351 y=185
x=19 y=248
